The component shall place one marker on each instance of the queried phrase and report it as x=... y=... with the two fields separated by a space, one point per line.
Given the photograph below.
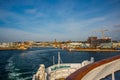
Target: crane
x=102 y=32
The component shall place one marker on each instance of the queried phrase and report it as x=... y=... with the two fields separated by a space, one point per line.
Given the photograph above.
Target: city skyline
x=46 y=20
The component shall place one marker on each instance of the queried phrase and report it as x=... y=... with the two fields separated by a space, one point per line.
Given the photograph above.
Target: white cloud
x=35 y=12
x=69 y=29
x=9 y=34
x=31 y=11
x=38 y=29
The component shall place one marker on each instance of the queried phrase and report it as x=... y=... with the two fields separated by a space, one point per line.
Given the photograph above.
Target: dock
x=96 y=50
x=3 y=49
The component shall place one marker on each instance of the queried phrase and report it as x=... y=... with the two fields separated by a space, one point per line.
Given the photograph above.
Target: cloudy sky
x=46 y=20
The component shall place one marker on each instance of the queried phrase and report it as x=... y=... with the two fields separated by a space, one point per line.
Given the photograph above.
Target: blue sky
x=46 y=20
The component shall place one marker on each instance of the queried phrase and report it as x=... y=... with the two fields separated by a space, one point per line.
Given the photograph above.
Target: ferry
x=59 y=71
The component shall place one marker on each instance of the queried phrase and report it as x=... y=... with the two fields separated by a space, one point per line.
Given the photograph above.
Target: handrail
x=80 y=73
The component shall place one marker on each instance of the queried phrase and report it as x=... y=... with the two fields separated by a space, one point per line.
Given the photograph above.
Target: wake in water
x=38 y=51
x=44 y=50
x=14 y=73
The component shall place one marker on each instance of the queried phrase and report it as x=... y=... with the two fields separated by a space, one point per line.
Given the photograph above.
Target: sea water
x=21 y=65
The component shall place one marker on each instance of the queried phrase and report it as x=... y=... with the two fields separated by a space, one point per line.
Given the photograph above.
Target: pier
x=96 y=50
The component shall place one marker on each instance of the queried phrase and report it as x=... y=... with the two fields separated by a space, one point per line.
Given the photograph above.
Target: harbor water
x=21 y=65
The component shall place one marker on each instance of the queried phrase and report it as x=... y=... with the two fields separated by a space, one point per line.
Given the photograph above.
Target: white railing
x=97 y=70
x=103 y=70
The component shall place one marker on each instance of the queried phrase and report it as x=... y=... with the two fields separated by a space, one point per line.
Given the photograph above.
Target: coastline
x=96 y=50
x=3 y=49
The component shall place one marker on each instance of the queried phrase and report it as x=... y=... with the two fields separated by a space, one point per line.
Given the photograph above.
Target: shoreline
x=5 y=49
x=71 y=50
x=96 y=50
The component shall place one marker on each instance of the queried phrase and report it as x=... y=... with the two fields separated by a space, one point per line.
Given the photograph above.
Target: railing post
x=113 y=76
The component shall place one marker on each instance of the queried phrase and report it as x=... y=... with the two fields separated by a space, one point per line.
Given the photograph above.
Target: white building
x=8 y=44
x=74 y=44
x=116 y=44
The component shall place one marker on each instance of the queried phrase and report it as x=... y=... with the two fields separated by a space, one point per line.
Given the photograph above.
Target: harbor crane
x=102 y=32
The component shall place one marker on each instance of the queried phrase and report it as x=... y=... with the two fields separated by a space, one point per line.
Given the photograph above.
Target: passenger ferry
x=59 y=71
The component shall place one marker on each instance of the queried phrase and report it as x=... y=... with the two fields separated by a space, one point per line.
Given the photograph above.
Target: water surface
x=21 y=65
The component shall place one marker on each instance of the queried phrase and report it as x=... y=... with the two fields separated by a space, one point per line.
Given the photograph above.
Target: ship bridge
x=101 y=70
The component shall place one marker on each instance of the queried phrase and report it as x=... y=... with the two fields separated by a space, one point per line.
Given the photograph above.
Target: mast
x=58 y=57
x=53 y=60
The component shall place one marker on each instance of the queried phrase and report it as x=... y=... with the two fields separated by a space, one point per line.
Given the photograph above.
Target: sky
x=46 y=20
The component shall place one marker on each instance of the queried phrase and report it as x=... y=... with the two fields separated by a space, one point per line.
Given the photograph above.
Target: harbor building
x=95 y=42
x=92 y=41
